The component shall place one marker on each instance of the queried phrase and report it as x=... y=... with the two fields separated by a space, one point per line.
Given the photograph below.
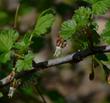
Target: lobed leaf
x=68 y=28
x=44 y=22
x=25 y=64
x=24 y=43
x=100 y=7
x=4 y=57
x=82 y=16
x=7 y=39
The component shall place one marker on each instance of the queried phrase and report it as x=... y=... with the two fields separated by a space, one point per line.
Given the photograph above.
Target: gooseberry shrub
x=82 y=27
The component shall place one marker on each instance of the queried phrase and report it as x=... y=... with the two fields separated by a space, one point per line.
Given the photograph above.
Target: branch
x=75 y=57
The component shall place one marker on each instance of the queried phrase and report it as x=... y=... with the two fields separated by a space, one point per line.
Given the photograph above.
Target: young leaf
x=82 y=16
x=25 y=64
x=24 y=43
x=44 y=22
x=68 y=28
x=4 y=57
x=7 y=39
x=100 y=7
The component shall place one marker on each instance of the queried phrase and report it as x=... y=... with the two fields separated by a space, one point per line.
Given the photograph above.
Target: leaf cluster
x=99 y=7
x=82 y=29
x=15 y=48
x=83 y=21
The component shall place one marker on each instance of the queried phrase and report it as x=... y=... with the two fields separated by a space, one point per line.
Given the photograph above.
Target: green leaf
x=44 y=22
x=27 y=38
x=82 y=16
x=7 y=39
x=25 y=64
x=68 y=28
x=21 y=46
x=100 y=7
x=106 y=33
x=24 y=43
x=4 y=57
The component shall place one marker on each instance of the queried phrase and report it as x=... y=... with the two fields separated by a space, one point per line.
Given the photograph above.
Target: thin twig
x=75 y=57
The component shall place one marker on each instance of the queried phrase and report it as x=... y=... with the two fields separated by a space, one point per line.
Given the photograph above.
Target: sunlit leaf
x=68 y=28
x=44 y=22
x=82 y=16
x=7 y=39
x=100 y=7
